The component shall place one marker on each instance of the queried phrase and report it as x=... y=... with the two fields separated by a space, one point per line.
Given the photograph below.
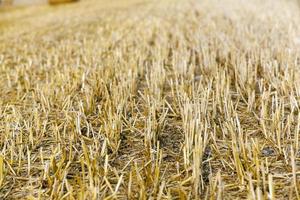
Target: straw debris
x=150 y=100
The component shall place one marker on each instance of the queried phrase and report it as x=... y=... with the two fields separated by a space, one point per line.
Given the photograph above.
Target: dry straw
x=150 y=100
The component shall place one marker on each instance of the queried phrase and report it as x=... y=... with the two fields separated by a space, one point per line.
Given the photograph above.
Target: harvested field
x=149 y=99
